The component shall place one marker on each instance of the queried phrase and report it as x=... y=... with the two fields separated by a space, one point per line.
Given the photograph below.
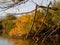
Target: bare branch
x=42 y=22
x=32 y=22
x=54 y=31
x=53 y=8
x=23 y=12
x=50 y=34
x=13 y=5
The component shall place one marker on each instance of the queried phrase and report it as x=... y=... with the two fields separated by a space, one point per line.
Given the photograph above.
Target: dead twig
x=44 y=34
x=42 y=21
x=32 y=22
x=50 y=33
x=53 y=8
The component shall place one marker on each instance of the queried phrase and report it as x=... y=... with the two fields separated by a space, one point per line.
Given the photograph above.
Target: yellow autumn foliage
x=22 y=42
x=23 y=24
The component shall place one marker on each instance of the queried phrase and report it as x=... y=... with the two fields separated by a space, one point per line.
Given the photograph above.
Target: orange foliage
x=21 y=23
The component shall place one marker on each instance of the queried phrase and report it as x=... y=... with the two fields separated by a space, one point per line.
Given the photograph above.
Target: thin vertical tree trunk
x=43 y=21
x=32 y=22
